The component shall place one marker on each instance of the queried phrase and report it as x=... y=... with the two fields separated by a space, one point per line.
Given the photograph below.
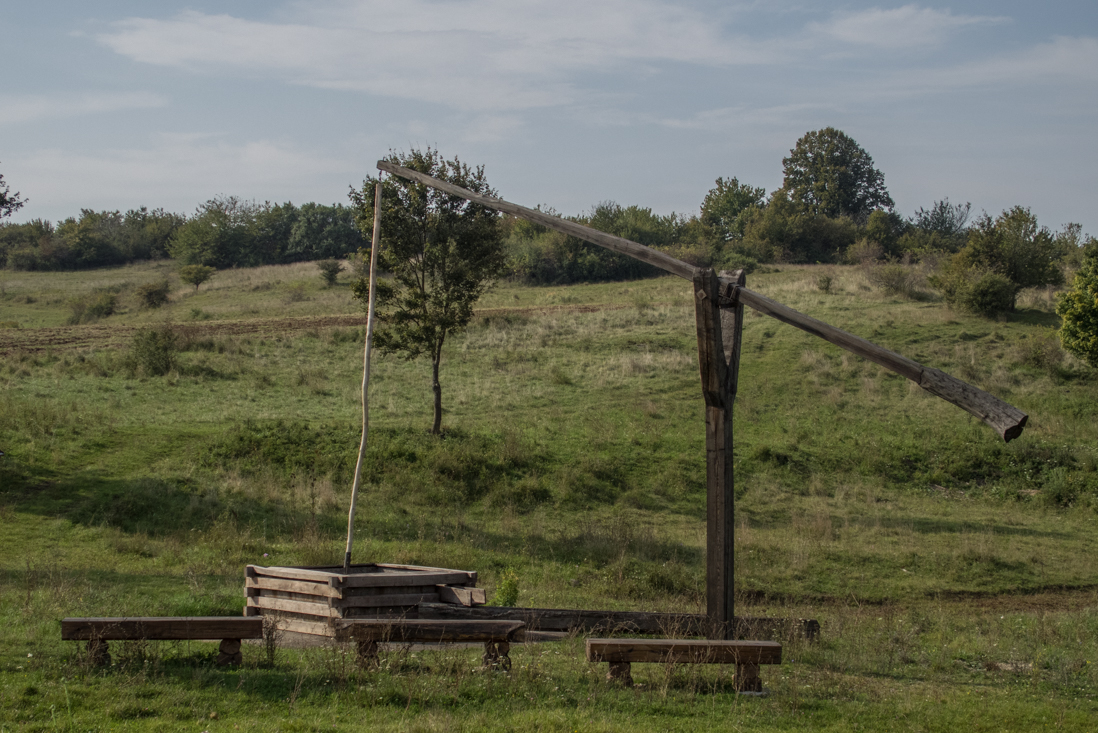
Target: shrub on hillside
x=154 y=295
x=983 y=292
x=89 y=308
x=329 y=271
x=154 y=350
x=894 y=278
x=195 y=274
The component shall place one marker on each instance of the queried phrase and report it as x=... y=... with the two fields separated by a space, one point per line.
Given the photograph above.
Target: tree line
x=224 y=232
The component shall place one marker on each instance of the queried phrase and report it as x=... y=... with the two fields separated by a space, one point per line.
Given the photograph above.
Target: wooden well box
x=313 y=600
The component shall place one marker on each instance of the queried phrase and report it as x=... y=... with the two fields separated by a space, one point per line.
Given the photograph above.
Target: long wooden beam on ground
x=636 y=622
x=1006 y=419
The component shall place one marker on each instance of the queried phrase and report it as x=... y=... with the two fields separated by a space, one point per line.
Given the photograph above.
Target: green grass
x=950 y=571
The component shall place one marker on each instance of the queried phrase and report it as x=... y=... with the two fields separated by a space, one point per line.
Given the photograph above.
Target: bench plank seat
x=163 y=628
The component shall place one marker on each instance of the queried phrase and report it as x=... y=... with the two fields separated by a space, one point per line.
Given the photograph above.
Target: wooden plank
x=280 y=604
x=296 y=573
x=644 y=622
x=292 y=586
x=470 y=575
x=419 y=630
x=381 y=580
x=387 y=600
x=720 y=508
x=1006 y=419
x=684 y=651
x=462 y=596
x=169 y=627
x=299 y=626
x=617 y=244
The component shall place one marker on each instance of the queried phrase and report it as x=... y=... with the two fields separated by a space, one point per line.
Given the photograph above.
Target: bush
x=154 y=295
x=1078 y=308
x=733 y=261
x=329 y=270
x=863 y=252
x=893 y=278
x=154 y=350
x=89 y=308
x=195 y=274
x=989 y=295
x=507 y=592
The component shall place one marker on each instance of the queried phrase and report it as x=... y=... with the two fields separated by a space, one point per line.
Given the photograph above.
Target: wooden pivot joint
x=746 y=655
x=229 y=654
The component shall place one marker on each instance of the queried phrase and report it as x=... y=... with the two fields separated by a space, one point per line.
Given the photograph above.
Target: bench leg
x=98 y=654
x=620 y=672
x=497 y=655
x=367 y=655
x=747 y=678
x=229 y=653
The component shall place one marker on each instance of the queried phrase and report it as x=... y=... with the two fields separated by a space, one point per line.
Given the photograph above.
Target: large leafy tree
x=9 y=202
x=1078 y=308
x=828 y=173
x=441 y=251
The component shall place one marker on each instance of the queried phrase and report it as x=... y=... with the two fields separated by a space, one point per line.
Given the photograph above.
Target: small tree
x=329 y=270
x=9 y=202
x=724 y=205
x=1078 y=308
x=195 y=274
x=442 y=251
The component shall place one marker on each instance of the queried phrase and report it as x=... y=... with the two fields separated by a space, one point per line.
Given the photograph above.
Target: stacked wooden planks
x=310 y=600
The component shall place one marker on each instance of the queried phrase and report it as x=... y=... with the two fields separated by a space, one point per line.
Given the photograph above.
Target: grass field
x=952 y=574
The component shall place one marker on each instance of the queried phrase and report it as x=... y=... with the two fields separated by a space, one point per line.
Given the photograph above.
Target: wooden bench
x=98 y=631
x=746 y=655
x=368 y=633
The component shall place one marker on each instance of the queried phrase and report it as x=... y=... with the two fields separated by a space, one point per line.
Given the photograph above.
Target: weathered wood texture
x=1006 y=419
x=307 y=600
x=183 y=627
x=715 y=349
x=617 y=244
x=561 y=620
x=684 y=651
x=426 y=631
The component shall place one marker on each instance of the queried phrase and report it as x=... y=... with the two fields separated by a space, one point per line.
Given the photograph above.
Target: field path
x=101 y=336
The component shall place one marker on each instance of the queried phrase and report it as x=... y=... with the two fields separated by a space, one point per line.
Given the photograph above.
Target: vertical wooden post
x=718 y=356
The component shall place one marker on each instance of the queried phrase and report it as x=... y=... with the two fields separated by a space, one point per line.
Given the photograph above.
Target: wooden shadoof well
x=719 y=301
x=316 y=600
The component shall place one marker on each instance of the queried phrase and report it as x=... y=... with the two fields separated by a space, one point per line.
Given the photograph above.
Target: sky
x=119 y=104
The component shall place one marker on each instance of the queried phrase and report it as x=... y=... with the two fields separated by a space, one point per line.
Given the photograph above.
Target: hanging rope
x=375 y=245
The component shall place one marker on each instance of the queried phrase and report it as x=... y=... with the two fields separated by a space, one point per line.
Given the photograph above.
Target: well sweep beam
x=1006 y=419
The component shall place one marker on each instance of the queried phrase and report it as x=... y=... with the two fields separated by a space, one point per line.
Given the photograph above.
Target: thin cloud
x=492 y=55
x=33 y=108
x=909 y=26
